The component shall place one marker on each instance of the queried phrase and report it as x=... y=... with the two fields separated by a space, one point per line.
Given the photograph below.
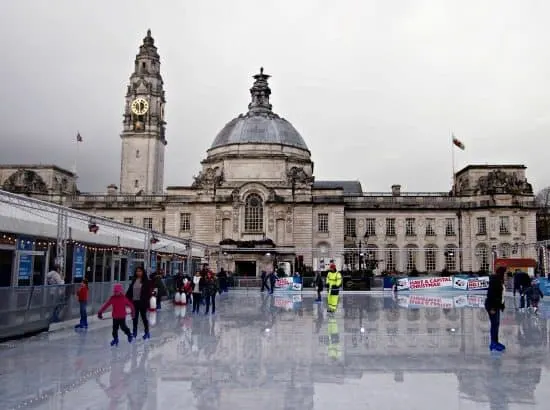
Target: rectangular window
x=350 y=227
x=129 y=221
x=522 y=225
x=504 y=225
x=430 y=226
x=450 y=227
x=185 y=222
x=390 y=226
x=481 y=226
x=410 y=227
x=163 y=225
x=148 y=223
x=371 y=227
x=322 y=223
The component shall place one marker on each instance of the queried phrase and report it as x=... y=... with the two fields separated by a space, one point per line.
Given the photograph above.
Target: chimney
x=396 y=190
x=112 y=189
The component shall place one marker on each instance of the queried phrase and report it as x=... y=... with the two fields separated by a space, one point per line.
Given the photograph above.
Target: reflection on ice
x=286 y=352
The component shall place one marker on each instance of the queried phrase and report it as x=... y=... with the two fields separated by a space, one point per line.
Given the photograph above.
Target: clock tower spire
x=143 y=133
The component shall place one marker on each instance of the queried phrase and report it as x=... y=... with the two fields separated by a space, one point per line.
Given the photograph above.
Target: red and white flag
x=458 y=143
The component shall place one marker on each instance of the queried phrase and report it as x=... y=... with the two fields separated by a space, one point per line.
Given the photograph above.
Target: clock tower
x=143 y=135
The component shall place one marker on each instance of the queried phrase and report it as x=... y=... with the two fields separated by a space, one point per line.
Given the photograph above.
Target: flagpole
x=75 y=169
x=453 y=162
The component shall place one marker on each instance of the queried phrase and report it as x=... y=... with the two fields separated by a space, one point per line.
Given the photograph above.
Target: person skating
x=318 y=283
x=334 y=282
x=264 y=277
x=222 y=280
x=82 y=295
x=188 y=290
x=534 y=295
x=494 y=304
x=139 y=292
x=119 y=302
x=160 y=287
x=521 y=282
x=210 y=290
x=272 y=281
x=198 y=286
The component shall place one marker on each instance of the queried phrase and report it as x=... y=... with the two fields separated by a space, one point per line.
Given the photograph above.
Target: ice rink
x=284 y=352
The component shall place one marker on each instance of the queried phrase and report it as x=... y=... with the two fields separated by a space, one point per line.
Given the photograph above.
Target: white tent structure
x=30 y=217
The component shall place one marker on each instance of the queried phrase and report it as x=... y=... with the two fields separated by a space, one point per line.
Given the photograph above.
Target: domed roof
x=260 y=125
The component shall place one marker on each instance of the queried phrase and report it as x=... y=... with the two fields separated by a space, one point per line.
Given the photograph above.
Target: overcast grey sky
x=374 y=87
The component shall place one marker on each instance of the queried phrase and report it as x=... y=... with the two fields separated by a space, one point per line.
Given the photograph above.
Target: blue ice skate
x=114 y=342
x=130 y=338
x=497 y=347
x=147 y=336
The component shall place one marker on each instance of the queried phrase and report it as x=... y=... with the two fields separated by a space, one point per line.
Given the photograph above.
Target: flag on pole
x=78 y=137
x=458 y=143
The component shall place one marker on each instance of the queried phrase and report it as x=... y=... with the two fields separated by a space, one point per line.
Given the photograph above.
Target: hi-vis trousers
x=332 y=299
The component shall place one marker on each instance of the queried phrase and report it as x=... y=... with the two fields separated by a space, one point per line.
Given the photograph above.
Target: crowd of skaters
x=199 y=290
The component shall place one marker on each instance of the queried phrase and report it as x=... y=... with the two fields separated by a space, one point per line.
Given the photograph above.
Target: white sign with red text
x=478 y=283
x=430 y=283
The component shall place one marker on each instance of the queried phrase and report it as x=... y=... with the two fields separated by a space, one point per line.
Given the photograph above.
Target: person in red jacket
x=118 y=301
x=82 y=295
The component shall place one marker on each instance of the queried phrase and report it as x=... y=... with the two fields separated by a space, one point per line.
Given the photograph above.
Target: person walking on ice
x=119 y=302
x=334 y=282
x=139 y=292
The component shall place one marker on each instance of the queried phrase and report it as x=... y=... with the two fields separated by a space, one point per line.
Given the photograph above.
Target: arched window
x=411 y=251
x=482 y=256
x=451 y=255
x=391 y=258
x=431 y=258
x=505 y=250
x=254 y=214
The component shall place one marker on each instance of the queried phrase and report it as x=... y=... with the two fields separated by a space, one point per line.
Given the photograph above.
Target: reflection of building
x=256 y=193
x=292 y=363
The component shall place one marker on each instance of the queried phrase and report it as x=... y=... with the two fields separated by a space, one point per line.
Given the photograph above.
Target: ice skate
x=147 y=336
x=114 y=342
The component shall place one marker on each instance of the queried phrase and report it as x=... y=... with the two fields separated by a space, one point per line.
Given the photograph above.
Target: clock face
x=140 y=106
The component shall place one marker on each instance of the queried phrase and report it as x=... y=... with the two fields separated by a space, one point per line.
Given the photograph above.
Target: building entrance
x=245 y=268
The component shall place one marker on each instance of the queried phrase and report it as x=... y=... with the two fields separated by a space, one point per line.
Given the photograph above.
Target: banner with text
x=462 y=283
x=289 y=283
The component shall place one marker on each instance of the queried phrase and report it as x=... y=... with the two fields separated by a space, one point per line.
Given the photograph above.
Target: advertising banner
x=480 y=283
x=462 y=283
x=288 y=283
x=25 y=260
x=79 y=260
x=153 y=262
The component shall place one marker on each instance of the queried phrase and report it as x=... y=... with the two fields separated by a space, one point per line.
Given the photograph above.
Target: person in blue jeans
x=494 y=304
x=82 y=296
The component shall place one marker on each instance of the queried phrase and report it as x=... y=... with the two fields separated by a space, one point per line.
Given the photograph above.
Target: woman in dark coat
x=139 y=292
x=494 y=304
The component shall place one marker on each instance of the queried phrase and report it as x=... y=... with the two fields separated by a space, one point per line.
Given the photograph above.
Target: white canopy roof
x=28 y=217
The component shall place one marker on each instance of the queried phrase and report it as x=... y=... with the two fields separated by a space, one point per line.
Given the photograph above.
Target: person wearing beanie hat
x=119 y=302
x=334 y=281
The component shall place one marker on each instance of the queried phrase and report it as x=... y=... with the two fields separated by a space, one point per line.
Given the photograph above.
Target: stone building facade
x=256 y=198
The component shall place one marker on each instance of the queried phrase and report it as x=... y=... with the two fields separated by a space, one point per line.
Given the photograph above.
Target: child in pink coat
x=118 y=301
